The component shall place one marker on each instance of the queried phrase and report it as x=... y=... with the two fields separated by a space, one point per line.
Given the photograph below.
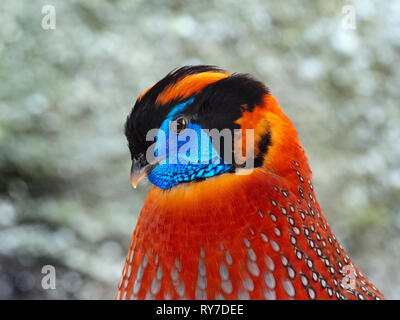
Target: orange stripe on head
x=188 y=85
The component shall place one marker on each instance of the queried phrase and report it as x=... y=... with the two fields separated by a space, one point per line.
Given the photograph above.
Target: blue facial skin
x=186 y=156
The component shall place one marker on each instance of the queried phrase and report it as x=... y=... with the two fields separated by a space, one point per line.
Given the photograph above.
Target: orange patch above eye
x=188 y=85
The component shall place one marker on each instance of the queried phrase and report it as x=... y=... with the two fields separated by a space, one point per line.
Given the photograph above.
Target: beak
x=138 y=172
x=141 y=168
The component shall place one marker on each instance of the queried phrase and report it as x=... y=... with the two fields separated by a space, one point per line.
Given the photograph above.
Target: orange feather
x=257 y=236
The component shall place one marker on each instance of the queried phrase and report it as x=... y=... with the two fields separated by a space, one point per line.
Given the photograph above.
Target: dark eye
x=179 y=125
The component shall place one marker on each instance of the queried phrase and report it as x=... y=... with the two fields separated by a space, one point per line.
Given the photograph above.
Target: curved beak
x=141 y=168
x=139 y=171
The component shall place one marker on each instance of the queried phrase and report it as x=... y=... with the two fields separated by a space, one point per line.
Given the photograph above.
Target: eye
x=179 y=125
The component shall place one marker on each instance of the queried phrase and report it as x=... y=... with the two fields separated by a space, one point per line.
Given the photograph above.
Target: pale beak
x=141 y=168
x=138 y=172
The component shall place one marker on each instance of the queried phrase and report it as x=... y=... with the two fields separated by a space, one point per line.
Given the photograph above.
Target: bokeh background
x=65 y=197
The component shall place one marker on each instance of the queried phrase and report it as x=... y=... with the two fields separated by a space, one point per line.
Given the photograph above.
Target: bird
x=220 y=223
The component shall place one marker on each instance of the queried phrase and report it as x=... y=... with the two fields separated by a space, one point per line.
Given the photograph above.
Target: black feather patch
x=145 y=116
x=217 y=106
x=263 y=145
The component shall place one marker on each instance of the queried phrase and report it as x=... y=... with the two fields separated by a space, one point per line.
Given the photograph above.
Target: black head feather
x=218 y=105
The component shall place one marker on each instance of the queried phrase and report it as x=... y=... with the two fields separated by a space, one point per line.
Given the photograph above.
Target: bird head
x=200 y=122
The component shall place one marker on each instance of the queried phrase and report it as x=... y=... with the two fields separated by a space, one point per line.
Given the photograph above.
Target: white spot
x=200 y=294
x=202 y=253
x=246 y=242
x=264 y=237
x=270 y=280
x=311 y=293
x=145 y=261
x=177 y=265
x=314 y=276
x=252 y=255
x=277 y=232
x=202 y=268
x=140 y=273
x=174 y=275
x=269 y=295
x=136 y=287
x=243 y=295
x=167 y=296
x=223 y=271
x=288 y=286
x=159 y=273
x=149 y=296
x=202 y=282
x=180 y=289
x=226 y=286
x=155 y=286
x=248 y=284
x=291 y=272
x=304 y=280
x=269 y=263
x=228 y=258
x=284 y=260
x=275 y=246
x=219 y=296
x=253 y=268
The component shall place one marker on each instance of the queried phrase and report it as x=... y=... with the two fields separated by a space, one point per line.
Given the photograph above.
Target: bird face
x=197 y=123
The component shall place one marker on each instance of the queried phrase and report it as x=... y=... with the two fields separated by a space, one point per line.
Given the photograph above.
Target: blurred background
x=65 y=196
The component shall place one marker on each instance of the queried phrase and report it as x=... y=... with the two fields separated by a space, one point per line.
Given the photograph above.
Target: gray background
x=65 y=197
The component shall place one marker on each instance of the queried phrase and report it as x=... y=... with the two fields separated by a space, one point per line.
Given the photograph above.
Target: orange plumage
x=230 y=236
